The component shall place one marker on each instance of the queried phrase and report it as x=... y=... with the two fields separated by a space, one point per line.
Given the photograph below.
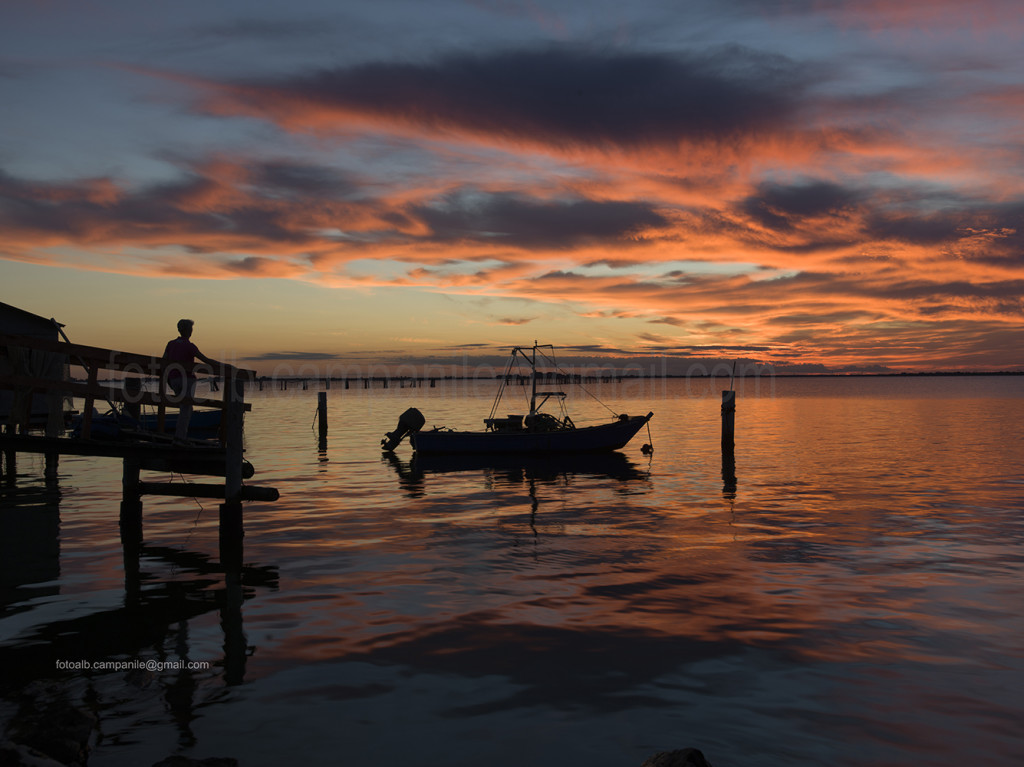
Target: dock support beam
x=10 y=460
x=231 y=531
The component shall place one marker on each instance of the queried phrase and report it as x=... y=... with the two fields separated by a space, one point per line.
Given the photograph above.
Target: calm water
x=855 y=601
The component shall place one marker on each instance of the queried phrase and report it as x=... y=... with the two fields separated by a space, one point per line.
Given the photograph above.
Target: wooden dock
x=137 y=449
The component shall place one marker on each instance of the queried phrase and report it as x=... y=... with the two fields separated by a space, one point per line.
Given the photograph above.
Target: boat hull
x=202 y=423
x=589 y=439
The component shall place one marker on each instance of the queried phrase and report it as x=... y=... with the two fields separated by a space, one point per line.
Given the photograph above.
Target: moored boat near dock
x=589 y=439
x=536 y=433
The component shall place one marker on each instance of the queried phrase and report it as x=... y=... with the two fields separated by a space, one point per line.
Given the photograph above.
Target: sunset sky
x=804 y=182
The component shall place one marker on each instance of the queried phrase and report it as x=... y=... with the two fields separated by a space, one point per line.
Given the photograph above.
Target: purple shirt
x=183 y=351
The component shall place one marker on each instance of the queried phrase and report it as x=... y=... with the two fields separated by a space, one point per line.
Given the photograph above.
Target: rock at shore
x=184 y=761
x=48 y=725
x=686 y=757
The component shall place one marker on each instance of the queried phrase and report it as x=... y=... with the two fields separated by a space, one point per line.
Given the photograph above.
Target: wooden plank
x=111 y=359
x=30 y=443
x=103 y=392
x=89 y=400
x=210 y=467
x=206 y=490
x=232 y=422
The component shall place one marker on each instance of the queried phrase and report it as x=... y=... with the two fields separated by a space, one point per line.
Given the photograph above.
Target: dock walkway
x=223 y=457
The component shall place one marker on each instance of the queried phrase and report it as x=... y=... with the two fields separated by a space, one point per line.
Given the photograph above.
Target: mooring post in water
x=728 y=419
x=321 y=416
x=728 y=441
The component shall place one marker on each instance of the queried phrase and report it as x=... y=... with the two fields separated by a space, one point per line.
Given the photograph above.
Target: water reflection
x=512 y=469
x=151 y=616
x=167 y=592
x=729 y=481
x=29 y=543
x=855 y=601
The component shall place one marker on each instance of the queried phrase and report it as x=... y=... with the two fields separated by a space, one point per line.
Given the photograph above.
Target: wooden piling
x=206 y=490
x=729 y=481
x=728 y=442
x=226 y=460
x=728 y=419
x=233 y=421
x=321 y=415
x=10 y=460
x=51 y=462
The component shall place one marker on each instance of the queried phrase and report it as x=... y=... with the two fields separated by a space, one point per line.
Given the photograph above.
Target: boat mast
x=533 y=392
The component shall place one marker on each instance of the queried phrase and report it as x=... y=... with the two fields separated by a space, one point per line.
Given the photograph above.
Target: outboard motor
x=410 y=421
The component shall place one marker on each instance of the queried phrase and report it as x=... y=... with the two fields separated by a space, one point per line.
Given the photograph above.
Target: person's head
x=185 y=328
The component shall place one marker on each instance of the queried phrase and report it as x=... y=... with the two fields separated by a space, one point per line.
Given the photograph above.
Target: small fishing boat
x=115 y=425
x=202 y=424
x=536 y=433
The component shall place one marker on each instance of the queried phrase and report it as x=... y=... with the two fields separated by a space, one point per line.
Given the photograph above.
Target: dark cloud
x=196 y=209
x=969 y=228
x=781 y=207
x=1005 y=290
x=960 y=226
x=271 y=203
x=527 y=223
x=292 y=356
x=267 y=30
x=920 y=229
x=561 y=96
x=515 y=320
x=294 y=180
x=821 y=318
x=615 y=263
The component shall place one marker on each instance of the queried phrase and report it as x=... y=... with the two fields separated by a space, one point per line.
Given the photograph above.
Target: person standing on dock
x=181 y=377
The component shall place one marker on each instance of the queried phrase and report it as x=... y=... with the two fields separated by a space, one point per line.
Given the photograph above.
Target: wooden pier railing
x=94 y=359
x=17 y=355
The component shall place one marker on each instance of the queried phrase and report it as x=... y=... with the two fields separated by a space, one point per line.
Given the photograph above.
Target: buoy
x=647 y=449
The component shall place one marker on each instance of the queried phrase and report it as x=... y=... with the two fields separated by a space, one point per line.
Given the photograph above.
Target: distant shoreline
x=624 y=377
x=882 y=375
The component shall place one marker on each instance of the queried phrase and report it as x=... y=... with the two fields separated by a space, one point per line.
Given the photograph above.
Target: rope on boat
x=586 y=391
x=648 y=449
x=504 y=383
